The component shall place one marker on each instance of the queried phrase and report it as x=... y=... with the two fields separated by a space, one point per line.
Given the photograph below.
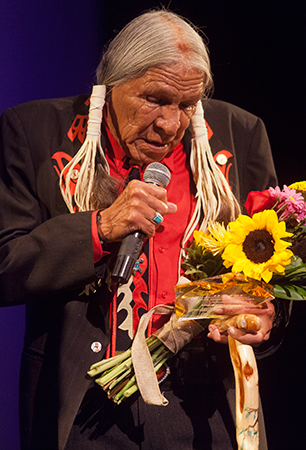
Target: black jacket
x=46 y=254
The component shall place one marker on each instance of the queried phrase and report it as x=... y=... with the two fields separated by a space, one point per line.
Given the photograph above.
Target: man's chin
x=146 y=154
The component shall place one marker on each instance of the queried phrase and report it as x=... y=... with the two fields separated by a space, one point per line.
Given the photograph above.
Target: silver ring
x=158 y=218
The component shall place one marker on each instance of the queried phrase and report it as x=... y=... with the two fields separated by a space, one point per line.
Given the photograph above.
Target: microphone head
x=157 y=173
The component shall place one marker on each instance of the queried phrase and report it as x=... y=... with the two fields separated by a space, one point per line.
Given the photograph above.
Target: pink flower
x=292 y=204
x=276 y=193
x=293 y=199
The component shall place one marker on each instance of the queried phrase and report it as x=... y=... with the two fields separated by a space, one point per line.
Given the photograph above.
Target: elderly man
x=57 y=248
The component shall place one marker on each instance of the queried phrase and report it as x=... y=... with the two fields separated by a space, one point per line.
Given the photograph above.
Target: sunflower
x=215 y=240
x=255 y=246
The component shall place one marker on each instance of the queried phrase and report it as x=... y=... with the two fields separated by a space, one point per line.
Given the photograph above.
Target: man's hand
x=134 y=210
x=232 y=306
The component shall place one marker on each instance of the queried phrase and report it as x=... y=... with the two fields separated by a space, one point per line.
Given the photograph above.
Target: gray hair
x=155 y=38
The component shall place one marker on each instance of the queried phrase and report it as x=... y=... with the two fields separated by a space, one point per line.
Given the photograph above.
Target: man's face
x=148 y=115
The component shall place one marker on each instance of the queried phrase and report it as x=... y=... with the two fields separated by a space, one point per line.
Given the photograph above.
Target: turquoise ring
x=158 y=218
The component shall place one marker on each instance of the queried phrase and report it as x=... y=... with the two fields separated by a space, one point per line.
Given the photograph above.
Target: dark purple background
x=258 y=48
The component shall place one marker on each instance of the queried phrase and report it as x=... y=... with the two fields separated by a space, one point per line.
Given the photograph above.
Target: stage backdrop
x=48 y=49
x=51 y=49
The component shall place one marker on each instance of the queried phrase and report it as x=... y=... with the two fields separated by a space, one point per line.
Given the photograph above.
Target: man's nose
x=169 y=119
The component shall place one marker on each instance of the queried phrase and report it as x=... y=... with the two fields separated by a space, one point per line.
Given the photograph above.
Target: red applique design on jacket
x=61 y=160
x=209 y=130
x=78 y=128
x=222 y=160
x=132 y=302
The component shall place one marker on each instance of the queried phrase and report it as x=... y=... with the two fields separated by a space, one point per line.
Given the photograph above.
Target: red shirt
x=166 y=244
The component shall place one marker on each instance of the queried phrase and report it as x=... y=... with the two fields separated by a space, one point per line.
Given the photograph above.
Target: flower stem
x=116 y=375
x=106 y=364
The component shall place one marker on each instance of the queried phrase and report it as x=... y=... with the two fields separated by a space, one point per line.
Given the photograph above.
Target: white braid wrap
x=210 y=183
x=86 y=156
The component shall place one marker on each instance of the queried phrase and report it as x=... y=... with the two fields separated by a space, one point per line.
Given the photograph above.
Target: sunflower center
x=258 y=246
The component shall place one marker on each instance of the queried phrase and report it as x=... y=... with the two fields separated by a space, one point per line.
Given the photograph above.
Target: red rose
x=258 y=201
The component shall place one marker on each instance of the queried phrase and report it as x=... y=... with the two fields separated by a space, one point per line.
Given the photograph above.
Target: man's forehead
x=181 y=74
x=165 y=81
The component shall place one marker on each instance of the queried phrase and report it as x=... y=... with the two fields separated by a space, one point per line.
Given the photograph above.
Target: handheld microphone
x=158 y=174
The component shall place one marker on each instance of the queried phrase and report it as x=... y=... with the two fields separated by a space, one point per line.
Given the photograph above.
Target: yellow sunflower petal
x=239 y=266
x=280 y=230
x=233 y=252
x=266 y=219
x=244 y=223
x=266 y=276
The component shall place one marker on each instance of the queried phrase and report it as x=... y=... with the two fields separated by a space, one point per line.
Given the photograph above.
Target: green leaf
x=294 y=272
x=290 y=292
x=295 y=262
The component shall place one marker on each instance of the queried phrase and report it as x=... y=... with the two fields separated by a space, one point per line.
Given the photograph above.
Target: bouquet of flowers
x=266 y=246
x=269 y=243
